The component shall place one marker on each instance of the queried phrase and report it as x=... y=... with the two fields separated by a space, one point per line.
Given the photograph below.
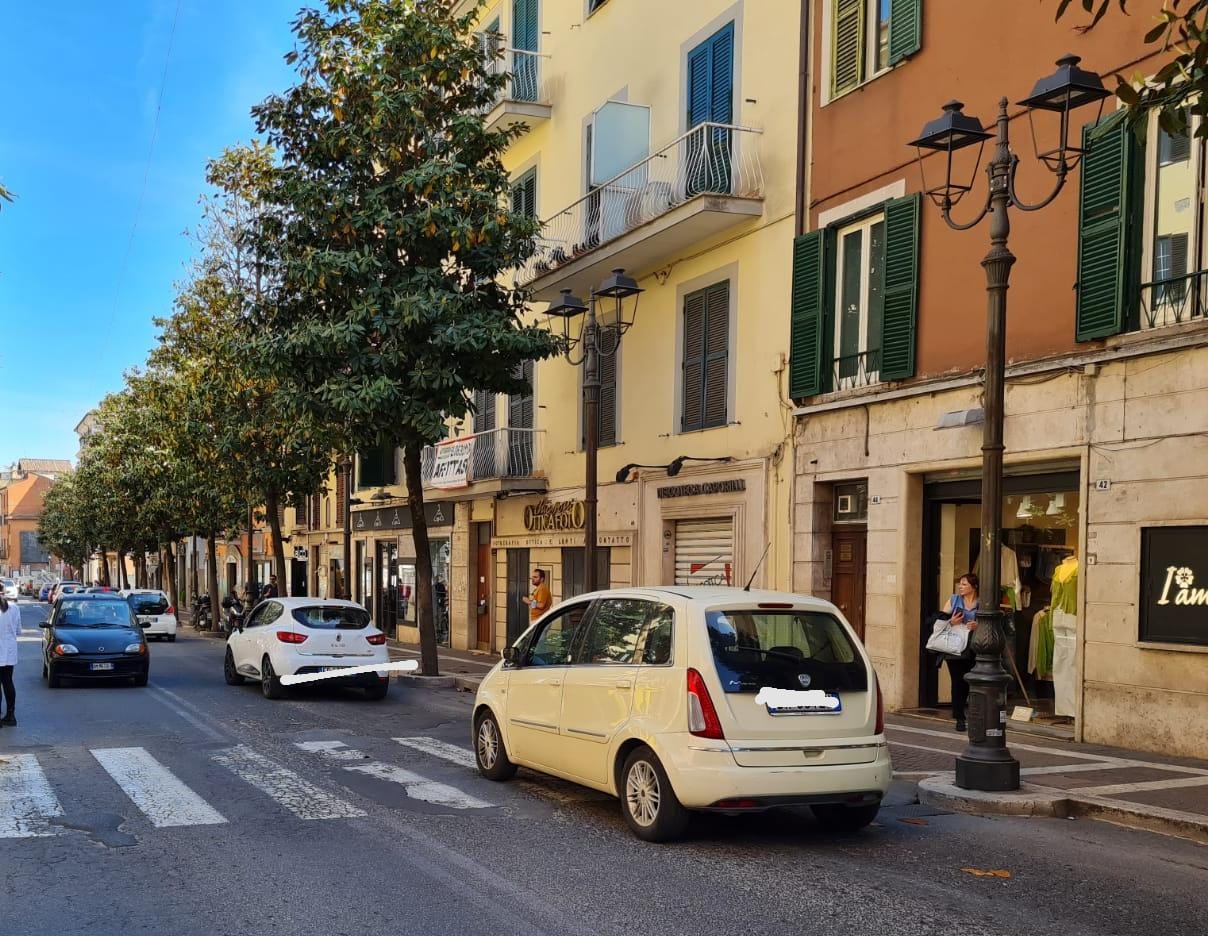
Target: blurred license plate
x=101 y=666
x=331 y=669
x=148 y=620
x=808 y=709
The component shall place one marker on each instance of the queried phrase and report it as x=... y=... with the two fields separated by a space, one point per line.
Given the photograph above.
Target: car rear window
x=784 y=650
x=93 y=613
x=318 y=617
x=149 y=604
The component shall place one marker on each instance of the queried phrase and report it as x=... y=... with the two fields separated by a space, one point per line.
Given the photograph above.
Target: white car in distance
x=299 y=636
x=154 y=612
x=690 y=698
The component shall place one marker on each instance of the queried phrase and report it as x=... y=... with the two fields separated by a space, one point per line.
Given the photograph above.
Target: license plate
x=331 y=669
x=148 y=620
x=101 y=666
x=808 y=710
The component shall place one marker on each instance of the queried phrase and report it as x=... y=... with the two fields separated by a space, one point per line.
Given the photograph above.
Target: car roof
x=714 y=595
x=144 y=591
x=91 y=596
x=303 y=602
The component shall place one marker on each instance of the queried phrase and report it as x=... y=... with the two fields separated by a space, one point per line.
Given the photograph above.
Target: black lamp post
x=595 y=340
x=987 y=764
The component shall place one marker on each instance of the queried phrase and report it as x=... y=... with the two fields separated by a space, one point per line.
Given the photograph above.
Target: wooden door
x=484 y=593
x=848 y=578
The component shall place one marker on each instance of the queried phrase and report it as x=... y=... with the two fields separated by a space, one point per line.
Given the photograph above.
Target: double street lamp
x=593 y=341
x=986 y=763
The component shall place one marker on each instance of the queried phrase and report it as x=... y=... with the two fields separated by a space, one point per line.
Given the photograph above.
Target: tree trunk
x=212 y=577
x=429 y=662
x=103 y=567
x=193 y=575
x=167 y=562
x=251 y=559
x=272 y=505
x=121 y=568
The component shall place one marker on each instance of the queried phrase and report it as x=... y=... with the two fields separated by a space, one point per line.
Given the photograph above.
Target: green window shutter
x=717 y=353
x=809 y=289
x=524 y=194
x=901 y=293
x=692 y=413
x=847 y=45
x=905 y=29
x=1103 y=235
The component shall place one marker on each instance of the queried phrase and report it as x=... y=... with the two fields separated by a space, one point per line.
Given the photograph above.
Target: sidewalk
x=467 y=667
x=1059 y=778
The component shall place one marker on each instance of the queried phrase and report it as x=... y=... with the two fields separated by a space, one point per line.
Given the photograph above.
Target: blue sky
x=79 y=83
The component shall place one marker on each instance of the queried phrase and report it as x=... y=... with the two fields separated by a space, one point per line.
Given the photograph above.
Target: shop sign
x=1174 y=585
x=555 y=541
x=451 y=466
x=552 y=516
x=300 y=554
x=734 y=486
x=399 y=518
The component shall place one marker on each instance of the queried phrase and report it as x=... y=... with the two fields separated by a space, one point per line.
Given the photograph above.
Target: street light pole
x=986 y=763
x=345 y=478
x=591 y=442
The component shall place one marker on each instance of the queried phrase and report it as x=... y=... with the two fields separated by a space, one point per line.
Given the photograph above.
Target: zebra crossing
x=30 y=807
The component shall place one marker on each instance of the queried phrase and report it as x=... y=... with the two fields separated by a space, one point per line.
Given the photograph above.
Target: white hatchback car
x=295 y=636
x=692 y=698
x=154 y=611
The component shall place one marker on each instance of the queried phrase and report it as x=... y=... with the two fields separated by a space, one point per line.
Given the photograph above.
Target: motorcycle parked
x=234 y=614
x=201 y=612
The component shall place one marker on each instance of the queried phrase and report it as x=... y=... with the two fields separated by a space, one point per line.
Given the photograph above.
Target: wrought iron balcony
x=1174 y=301
x=524 y=97
x=705 y=181
x=496 y=460
x=856 y=370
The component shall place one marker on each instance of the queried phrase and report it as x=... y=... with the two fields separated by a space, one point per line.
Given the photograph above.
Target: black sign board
x=399 y=518
x=32 y=550
x=1174 y=585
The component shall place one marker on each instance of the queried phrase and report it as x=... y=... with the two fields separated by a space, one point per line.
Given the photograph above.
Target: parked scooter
x=201 y=612
x=234 y=613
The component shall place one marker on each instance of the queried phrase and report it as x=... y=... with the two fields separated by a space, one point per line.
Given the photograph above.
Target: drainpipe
x=803 y=113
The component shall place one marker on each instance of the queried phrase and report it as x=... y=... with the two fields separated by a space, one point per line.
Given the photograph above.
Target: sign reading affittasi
x=451 y=467
x=1174 y=585
x=552 y=516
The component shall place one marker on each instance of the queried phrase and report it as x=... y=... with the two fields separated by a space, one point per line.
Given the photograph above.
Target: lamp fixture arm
x=946 y=211
x=1062 y=173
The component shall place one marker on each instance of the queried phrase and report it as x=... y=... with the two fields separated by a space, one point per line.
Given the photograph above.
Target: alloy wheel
x=642 y=793
x=488 y=743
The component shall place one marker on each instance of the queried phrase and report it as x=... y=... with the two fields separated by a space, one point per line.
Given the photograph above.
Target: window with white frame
x=1174 y=244
x=859 y=284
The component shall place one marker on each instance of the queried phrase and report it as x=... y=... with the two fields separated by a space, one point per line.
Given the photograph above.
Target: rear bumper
x=162 y=629
x=704 y=773
x=80 y=668
x=360 y=679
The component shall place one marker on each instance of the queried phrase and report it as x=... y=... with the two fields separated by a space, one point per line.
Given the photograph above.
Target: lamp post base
x=990 y=776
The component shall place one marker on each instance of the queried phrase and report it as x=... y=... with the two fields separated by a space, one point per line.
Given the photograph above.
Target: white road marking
x=303 y=799
x=396 y=666
x=27 y=802
x=154 y=789
x=438 y=748
x=417 y=786
x=1115 y=789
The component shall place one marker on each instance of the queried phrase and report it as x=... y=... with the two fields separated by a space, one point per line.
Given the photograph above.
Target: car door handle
x=623 y=684
x=555 y=682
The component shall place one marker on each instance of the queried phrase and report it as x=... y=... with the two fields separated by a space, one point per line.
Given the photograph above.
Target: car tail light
x=291 y=637
x=702 y=716
x=170 y=611
x=376 y=639
x=880 y=729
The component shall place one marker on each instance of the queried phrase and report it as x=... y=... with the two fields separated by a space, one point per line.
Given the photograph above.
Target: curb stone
x=425 y=682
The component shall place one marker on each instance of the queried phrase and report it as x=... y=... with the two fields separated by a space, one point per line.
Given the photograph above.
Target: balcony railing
x=494 y=455
x=1175 y=300
x=522 y=68
x=710 y=159
x=856 y=370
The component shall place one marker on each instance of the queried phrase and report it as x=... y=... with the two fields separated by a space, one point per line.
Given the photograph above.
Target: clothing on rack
x=1008 y=576
x=1040 y=645
x=1065 y=635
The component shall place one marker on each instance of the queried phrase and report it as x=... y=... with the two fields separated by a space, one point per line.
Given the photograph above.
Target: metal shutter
x=704 y=552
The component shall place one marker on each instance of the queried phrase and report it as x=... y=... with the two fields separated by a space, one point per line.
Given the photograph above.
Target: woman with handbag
x=962 y=610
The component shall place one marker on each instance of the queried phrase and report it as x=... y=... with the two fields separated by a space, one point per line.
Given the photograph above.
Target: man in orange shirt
x=541 y=599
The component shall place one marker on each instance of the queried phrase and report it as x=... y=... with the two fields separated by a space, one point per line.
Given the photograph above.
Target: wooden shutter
x=692 y=416
x=520 y=405
x=315 y=517
x=608 y=399
x=524 y=25
x=847 y=45
x=809 y=289
x=1103 y=235
x=699 y=85
x=484 y=411
x=524 y=194
x=722 y=79
x=717 y=353
x=905 y=29
x=900 y=297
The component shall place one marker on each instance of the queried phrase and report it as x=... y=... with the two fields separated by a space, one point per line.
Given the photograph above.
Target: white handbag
x=948 y=639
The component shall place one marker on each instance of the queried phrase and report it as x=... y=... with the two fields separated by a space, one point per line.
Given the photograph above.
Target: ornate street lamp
x=987 y=764
x=594 y=340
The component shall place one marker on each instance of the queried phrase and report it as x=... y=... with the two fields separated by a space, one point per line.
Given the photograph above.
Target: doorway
x=483 y=595
x=517 y=589
x=386 y=594
x=849 y=549
x=232 y=573
x=297 y=577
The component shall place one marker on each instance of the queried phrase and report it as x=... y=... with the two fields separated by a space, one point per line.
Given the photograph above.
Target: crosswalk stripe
x=438 y=748
x=154 y=789
x=417 y=786
x=303 y=799
x=27 y=802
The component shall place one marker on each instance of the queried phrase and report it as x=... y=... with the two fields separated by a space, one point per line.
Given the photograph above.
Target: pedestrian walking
x=270 y=590
x=962 y=609
x=540 y=600
x=10 y=629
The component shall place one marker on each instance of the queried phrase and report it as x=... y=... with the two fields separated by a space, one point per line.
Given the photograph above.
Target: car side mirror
x=511 y=655
x=44 y=624
x=144 y=624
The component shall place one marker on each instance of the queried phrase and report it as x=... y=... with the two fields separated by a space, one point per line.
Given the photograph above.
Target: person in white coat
x=10 y=629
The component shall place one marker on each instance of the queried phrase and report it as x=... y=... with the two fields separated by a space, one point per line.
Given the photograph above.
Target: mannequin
x=1065 y=635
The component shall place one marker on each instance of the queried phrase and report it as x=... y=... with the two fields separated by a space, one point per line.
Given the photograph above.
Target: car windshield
x=149 y=604
x=328 y=617
x=93 y=613
x=784 y=650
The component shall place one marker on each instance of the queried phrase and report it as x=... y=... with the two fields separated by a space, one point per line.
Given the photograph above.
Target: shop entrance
x=1040 y=546
x=704 y=552
x=517 y=589
x=849 y=547
x=386 y=594
x=483 y=596
x=297 y=577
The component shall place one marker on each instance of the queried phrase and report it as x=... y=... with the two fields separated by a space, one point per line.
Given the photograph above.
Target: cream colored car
x=692 y=698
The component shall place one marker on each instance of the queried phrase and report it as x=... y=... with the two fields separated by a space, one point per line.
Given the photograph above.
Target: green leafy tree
x=1176 y=90
x=396 y=232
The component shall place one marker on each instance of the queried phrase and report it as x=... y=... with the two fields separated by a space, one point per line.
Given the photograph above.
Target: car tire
x=141 y=679
x=171 y=638
x=270 y=682
x=490 y=754
x=378 y=692
x=648 y=803
x=845 y=820
x=229 y=673
x=52 y=681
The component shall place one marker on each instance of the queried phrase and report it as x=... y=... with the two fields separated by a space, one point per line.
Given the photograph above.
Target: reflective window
x=615 y=629
x=552 y=644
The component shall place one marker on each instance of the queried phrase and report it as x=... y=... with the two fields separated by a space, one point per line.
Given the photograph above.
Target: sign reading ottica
x=555 y=516
x=1174 y=585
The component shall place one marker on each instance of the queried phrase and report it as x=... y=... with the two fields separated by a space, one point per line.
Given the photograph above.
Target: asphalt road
x=305 y=816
